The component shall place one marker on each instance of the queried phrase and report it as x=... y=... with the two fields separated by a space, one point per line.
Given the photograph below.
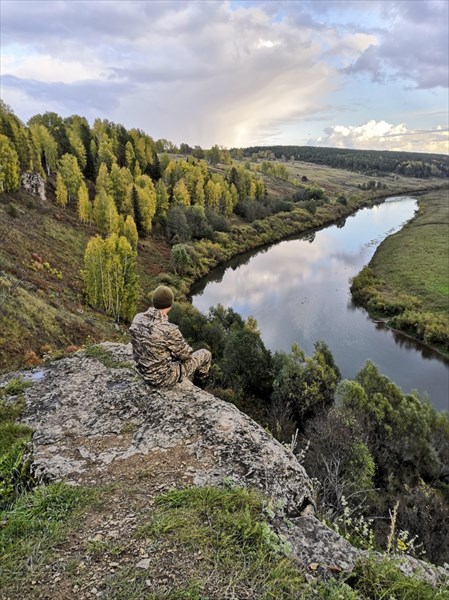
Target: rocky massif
x=96 y=422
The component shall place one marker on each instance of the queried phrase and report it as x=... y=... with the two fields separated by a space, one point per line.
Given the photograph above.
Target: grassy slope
x=416 y=259
x=42 y=308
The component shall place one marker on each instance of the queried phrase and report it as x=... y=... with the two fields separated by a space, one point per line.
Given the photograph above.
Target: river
x=298 y=291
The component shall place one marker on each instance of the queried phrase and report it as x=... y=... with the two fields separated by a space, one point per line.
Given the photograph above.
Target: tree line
x=368 y=162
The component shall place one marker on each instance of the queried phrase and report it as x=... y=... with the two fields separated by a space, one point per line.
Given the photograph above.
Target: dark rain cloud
x=99 y=96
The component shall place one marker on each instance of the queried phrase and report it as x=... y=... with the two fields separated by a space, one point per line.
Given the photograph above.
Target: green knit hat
x=162 y=297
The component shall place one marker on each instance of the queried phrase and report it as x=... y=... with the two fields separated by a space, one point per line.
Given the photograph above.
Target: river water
x=298 y=291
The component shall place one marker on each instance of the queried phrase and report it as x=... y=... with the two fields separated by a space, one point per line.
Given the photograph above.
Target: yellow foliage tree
x=110 y=276
x=61 y=191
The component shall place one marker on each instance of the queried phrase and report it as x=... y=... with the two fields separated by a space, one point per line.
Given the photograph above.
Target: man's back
x=158 y=348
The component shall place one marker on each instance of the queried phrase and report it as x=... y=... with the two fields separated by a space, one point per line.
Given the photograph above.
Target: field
x=338 y=181
x=416 y=259
x=407 y=280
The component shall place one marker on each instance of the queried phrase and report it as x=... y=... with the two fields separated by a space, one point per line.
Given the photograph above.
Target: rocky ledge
x=93 y=419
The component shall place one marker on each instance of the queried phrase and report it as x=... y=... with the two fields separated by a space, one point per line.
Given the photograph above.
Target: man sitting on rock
x=162 y=355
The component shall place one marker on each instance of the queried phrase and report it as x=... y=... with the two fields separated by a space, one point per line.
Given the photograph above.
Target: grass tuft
x=33 y=525
x=241 y=555
x=99 y=353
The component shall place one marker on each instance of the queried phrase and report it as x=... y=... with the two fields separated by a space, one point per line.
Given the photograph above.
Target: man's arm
x=178 y=347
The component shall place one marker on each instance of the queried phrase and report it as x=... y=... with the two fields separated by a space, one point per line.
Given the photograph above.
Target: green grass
x=408 y=276
x=32 y=527
x=95 y=351
x=415 y=260
x=241 y=556
x=14 y=437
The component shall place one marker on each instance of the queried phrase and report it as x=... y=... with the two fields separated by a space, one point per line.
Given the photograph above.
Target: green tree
x=105 y=213
x=212 y=193
x=398 y=426
x=198 y=223
x=162 y=202
x=247 y=363
x=56 y=126
x=77 y=147
x=214 y=155
x=9 y=166
x=46 y=146
x=180 y=259
x=61 y=191
x=120 y=182
x=84 y=205
x=130 y=232
x=110 y=276
x=198 y=194
x=71 y=174
x=305 y=385
x=178 y=229
x=146 y=199
x=181 y=193
x=130 y=156
x=103 y=181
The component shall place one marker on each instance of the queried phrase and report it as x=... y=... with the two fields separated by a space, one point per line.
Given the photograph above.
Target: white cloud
x=380 y=135
x=46 y=68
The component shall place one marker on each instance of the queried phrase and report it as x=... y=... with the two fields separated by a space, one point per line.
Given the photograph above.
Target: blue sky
x=344 y=73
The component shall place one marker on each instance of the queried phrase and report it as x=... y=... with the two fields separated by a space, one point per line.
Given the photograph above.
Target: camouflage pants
x=198 y=364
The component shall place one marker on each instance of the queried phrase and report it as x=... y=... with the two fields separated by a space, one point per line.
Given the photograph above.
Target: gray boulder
x=91 y=420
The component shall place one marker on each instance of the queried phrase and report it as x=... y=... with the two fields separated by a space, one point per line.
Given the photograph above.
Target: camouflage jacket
x=158 y=348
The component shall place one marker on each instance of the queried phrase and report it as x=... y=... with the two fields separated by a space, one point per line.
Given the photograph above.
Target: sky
x=370 y=74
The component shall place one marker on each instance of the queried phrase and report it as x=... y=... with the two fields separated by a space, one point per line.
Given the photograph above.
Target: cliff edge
x=96 y=423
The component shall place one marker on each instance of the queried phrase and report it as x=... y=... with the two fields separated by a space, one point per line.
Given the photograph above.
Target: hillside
x=171 y=494
x=44 y=309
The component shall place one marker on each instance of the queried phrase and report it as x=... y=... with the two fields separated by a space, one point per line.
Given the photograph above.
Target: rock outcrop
x=92 y=422
x=33 y=183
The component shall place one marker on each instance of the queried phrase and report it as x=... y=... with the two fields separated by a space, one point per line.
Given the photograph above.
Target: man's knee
x=203 y=359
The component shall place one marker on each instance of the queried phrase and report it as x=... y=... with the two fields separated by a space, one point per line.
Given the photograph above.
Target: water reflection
x=298 y=290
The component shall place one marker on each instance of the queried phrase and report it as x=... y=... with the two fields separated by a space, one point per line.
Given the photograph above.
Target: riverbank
x=205 y=254
x=406 y=283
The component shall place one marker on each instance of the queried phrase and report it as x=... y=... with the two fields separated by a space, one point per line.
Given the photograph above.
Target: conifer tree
x=136 y=209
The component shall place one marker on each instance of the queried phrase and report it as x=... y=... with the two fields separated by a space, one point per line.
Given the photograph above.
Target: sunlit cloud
x=386 y=136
